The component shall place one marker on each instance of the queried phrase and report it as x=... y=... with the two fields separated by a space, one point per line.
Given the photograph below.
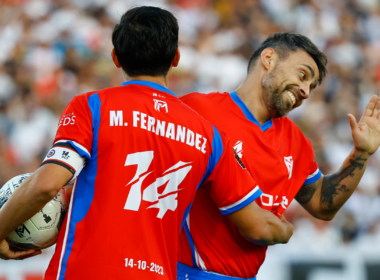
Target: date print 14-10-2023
x=143 y=265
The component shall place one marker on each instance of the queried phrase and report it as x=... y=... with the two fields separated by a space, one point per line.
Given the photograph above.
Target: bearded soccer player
x=281 y=74
x=139 y=155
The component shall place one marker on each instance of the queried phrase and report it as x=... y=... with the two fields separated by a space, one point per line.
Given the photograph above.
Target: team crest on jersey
x=238 y=159
x=159 y=104
x=289 y=165
x=239 y=148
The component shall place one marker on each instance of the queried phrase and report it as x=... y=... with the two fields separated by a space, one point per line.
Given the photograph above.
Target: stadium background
x=51 y=51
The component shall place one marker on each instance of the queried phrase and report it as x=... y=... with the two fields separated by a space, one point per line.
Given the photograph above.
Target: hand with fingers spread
x=6 y=253
x=366 y=133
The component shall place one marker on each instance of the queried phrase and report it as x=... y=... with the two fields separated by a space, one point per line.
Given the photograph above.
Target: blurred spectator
x=51 y=51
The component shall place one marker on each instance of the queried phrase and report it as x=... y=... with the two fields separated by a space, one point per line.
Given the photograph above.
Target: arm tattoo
x=306 y=193
x=331 y=183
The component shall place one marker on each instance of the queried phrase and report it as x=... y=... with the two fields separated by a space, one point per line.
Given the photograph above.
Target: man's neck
x=163 y=81
x=250 y=92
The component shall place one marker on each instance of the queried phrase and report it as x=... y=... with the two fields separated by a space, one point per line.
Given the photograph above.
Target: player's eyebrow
x=310 y=69
x=314 y=84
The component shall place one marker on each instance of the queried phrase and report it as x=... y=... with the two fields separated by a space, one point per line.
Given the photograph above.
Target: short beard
x=274 y=96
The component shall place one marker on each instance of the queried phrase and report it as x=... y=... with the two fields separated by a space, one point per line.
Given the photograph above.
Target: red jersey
x=279 y=158
x=146 y=153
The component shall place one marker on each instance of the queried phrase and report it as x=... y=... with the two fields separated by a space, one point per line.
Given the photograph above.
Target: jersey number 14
x=173 y=176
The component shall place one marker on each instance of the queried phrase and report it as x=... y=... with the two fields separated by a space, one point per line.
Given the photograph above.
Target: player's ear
x=268 y=58
x=176 y=58
x=114 y=59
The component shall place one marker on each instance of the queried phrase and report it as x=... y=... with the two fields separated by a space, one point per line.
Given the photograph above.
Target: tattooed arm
x=326 y=196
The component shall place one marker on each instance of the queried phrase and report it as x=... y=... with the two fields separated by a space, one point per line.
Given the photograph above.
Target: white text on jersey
x=170 y=130
x=268 y=200
x=67 y=119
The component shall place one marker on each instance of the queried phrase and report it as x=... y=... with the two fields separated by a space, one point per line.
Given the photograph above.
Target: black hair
x=145 y=41
x=284 y=43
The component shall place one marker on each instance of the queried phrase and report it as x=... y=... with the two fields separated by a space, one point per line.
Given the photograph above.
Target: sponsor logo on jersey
x=158 y=104
x=239 y=148
x=269 y=201
x=289 y=165
x=51 y=153
x=67 y=119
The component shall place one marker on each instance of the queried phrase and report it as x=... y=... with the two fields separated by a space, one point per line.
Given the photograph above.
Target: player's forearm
x=261 y=226
x=338 y=187
x=22 y=205
x=274 y=231
x=32 y=196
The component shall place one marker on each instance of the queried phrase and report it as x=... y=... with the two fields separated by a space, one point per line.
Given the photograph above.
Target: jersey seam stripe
x=191 y=243
x=256 y=192
x=217 y=151
x=213 y=160
x=66 y=232
x=216 y=154
x=94 y=104
x=196 y=257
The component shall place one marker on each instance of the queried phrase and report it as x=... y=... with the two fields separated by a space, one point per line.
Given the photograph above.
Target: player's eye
x=303 y=75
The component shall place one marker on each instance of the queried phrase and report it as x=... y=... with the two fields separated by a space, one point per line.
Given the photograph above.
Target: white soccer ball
x=40 y=231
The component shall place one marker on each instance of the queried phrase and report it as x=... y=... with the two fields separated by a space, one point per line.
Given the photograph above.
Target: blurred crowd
x=51 y=51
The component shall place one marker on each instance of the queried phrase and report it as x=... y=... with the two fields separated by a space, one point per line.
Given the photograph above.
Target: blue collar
x=149 y=84
x=248 y=114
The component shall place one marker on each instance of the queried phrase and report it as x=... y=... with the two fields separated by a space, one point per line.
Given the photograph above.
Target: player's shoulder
x=108 y=91
x=289 y=127
x=285 y=122
x=105 y=93
x=81 y=99
x=204 y=97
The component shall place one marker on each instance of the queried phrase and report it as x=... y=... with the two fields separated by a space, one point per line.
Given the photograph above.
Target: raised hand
x=366 y=133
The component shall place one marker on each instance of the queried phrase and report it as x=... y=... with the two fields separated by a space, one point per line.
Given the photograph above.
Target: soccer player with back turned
x=281 y=74
x=139 y=155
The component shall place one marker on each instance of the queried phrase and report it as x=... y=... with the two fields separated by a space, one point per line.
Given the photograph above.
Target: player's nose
x=305 y=91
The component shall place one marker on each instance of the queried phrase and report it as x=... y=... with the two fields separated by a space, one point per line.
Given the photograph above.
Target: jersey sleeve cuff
x=250 y=197
x=312 y=178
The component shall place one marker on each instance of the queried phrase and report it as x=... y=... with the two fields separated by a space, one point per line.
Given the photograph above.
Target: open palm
x=366 y=133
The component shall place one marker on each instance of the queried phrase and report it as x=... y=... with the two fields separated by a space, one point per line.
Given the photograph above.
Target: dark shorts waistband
x=185 y=272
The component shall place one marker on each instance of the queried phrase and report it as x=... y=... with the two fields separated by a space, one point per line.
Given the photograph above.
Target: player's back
x=146 y=153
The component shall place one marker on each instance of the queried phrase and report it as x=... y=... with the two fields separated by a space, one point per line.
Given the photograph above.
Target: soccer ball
x=40 y=231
